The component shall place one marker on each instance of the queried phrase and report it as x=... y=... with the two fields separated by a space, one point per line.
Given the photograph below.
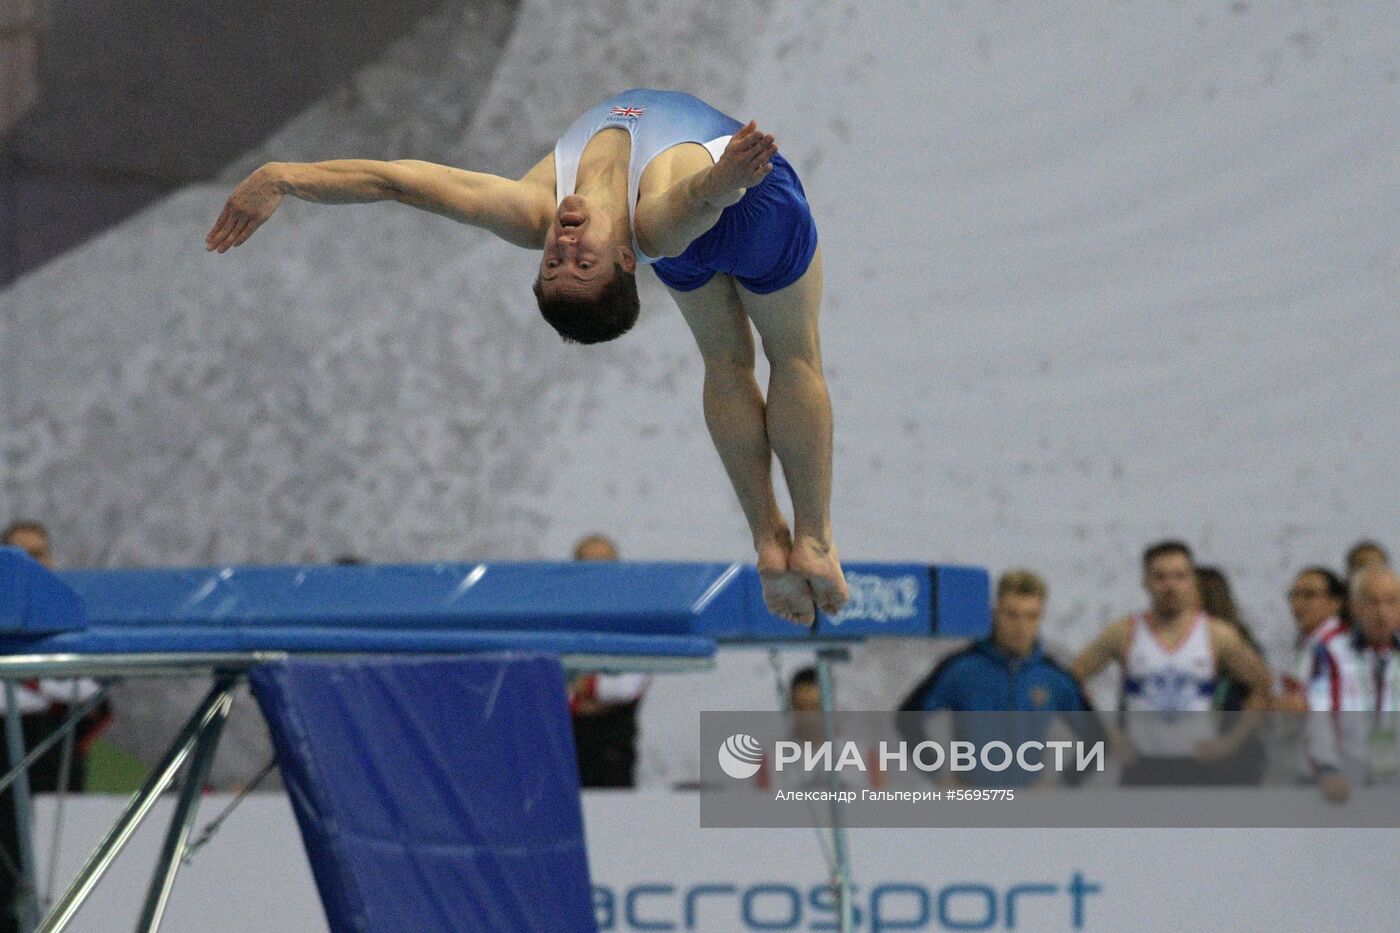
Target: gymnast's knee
x=728 y=380
x=803 y=360
x=734 y=366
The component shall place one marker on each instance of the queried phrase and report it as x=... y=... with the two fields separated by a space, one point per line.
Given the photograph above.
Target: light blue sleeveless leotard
x=766 y=240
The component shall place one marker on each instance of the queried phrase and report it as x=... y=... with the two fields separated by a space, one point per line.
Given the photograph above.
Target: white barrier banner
x=655 y=869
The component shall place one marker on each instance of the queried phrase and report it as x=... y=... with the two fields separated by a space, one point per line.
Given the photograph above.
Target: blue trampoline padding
x=434 y=793
x=962 y=602
x=32 y=599
x=632 y=598
x=246 y=608
x=888 y=600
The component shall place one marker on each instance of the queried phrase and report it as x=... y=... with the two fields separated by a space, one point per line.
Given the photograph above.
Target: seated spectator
x=1007 y=671
x=1358 y=673
x=604 y=706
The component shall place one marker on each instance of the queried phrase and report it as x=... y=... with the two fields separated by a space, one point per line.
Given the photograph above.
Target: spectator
x=1317 y=601
x=1365 y=553
x=1170 y=657
x=605 y=706
x=805 y=705
x=595 y=547
x=1008 y=672
x=805 y=692
x=1245 y=766
x=30 y=537
x=1358 y=678
x=44 y=706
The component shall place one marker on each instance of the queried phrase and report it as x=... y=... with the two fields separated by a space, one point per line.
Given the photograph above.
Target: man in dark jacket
x=1006 y=672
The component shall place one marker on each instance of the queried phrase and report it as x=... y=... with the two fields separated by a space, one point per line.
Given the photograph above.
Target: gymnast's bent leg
x=735 y=415
x=799 y=424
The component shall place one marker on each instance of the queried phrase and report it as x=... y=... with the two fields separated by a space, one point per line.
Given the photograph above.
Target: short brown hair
x=1021 y=582
x=1361 y=547
x=606 y=316
x=22 y=525
x=1163 y=548
x=581 y=546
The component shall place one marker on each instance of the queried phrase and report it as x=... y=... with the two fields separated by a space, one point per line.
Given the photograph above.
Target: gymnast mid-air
x=662 y=178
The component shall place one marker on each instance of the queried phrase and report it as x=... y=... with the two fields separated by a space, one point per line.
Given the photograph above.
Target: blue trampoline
x=465 y=802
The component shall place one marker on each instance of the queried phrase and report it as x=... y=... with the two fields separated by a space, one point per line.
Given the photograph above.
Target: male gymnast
x=662 y=178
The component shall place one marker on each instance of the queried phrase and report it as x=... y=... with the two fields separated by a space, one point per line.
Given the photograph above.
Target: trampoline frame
x=191 y=751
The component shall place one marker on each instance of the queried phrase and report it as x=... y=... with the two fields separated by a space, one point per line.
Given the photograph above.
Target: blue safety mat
x=434 y=794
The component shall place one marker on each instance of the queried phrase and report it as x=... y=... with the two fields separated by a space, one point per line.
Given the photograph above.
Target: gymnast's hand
x=745 y=162
x=251 y=203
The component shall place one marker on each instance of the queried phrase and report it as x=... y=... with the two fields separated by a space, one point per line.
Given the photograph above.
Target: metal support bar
x=26 y=907
x=183 y=664
x=38 y=751
x=841 y=869
x=156 y=664
x=212 y=707
x=65 y=780
x=213 y=825
x=173 y=851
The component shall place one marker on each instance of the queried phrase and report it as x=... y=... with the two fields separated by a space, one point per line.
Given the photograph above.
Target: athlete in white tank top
x=1168 y=689
x=1167 y=692
x=1159 y=679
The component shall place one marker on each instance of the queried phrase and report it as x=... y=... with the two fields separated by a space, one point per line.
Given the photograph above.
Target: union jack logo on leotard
x=628 y=111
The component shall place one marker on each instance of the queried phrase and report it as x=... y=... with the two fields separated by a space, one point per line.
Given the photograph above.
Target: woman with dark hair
x=1246 y=764
x=1318 y=601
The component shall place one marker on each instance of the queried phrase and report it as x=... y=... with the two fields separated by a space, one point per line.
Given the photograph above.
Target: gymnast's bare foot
x=820 y=566
x=786 y=594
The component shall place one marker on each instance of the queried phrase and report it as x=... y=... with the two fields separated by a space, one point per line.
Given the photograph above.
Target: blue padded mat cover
x=433 y=793
x=32 y=600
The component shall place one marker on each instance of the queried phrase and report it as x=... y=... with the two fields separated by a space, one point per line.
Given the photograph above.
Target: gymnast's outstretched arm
x=516 y=211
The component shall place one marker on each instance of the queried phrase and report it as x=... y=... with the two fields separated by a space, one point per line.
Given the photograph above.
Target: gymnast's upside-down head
x=587 y=286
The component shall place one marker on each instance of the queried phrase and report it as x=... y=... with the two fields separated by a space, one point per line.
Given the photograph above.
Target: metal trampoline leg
x=841 y=873
x=172 y=852
x=214 y=708
x=26 y=905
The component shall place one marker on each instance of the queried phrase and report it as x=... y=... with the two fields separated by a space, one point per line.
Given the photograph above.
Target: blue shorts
x=766 y=240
